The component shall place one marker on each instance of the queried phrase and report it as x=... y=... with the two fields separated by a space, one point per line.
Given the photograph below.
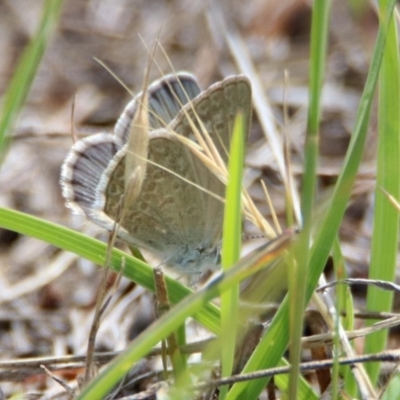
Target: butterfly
x=175 y=216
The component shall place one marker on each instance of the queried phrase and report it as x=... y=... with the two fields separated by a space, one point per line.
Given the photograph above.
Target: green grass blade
x=95 y=251
x=232 y=238
x=26 y=70
x=392 y=391
x=319 y=38
x=298 y=280
x=386 y=219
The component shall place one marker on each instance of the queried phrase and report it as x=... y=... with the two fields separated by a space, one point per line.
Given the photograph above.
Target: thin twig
x=389 y=356
x=59 y=381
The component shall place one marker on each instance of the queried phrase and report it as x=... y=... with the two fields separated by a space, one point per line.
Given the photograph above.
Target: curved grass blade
x=95 y=251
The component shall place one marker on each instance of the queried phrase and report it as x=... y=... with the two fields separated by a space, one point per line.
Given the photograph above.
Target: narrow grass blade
x=300 y=268
x=232 y=237
x=26 y=70
x=386 y=218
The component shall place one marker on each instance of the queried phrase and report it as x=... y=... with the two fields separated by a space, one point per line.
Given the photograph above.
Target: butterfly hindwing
x=90 y=157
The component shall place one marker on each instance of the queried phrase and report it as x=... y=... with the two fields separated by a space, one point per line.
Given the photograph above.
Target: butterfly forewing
x=216 y=108
x=166 y=98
